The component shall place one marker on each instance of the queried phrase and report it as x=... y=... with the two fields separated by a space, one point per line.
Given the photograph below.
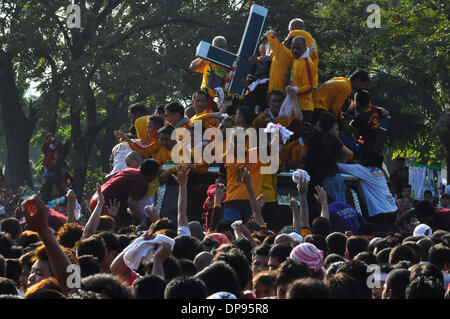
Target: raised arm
x=182 y=179
x=71 y=200
x=94 y=219
x=255 y=203
x=304 y=210
x=321 y=197
x=36 y=214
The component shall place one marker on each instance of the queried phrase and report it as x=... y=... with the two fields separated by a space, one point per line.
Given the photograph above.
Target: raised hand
x=113 y=208
x=151 y=212
x=243 y=171
x=293 y=204
x=121 y=136
x=321 y=195
x=182 y=174
x=100 y=197
x=36 y=213
x=220 y=192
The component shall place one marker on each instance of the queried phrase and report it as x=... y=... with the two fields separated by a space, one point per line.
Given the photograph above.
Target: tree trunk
x=18 y=128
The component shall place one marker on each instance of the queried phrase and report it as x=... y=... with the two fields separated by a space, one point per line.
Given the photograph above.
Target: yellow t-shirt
x=212 y=72
x=207 y=120
x=269 y=188
x=236 y=189
x=141 y=128
x=154 y=144
x=302 y=78
x=331 y=95
x=281 y=64
x=162 y=155
x=313 y=53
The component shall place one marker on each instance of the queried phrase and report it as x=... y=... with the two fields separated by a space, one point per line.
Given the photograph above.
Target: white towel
x=300 y=175
x=142 y=250
x=285 y=133
x=235 y=224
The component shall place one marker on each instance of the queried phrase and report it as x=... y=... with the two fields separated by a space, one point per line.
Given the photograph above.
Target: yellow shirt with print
x=331 y=95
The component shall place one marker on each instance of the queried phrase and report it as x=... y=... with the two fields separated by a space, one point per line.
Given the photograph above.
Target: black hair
x=417 y=251
x=383 y=255
x=424 y=208
x=332 y=258
x=319 y=241
x=186 y=247
x=401 y=252
x=344 y=286
x=276 y=93
x=92 y=246
x=209 y=244
x=158 y=120
x=69 y=234
x=358 y=270
x=308 y=288
x=13 y=269
x=107 y=285
x=160 y=109
x=200 y=92
x=166 y=129
x=11 y=226
x=218 y=277
x=7 y=287
x=371 y=158
x=237 y=260
x=336 y=243
x=361 y=75
x=355 y=245
x=439 y=255
x=280 y=251
x=326 y=121
x=332 y=268
x=149 y=287
x=245 y=246
x=321 y=226
x=261 y=250
x=6 y=244
x=188 y=267
x=149 y=167
x=438 y=235
x=363 y=98
x=89 y=265
x=247 y=113
x=175 y=107
x=46 y=293
x=424 y=287
x=185 y=287
x=110 y=241
x=290 y=270
x=366 y=256
x=138 y=108
x=122 y=242
x=223 y=225
x=426 y=270
x=396 y=282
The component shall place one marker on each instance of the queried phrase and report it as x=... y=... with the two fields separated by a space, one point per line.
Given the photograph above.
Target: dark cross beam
x=238 y=63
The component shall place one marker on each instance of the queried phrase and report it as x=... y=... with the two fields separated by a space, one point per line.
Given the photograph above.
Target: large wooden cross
x=238 y=63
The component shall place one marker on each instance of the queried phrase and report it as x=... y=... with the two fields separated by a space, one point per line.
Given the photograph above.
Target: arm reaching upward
x=255 y=203
x=182 y=178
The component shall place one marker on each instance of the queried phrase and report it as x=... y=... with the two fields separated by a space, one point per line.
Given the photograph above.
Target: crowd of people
x=126 y=250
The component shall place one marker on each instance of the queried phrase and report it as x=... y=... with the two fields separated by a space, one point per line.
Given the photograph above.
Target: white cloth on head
x=288 y=104
x=184 y=230
x=142 y=250
x=300 y=175
x=296 y=236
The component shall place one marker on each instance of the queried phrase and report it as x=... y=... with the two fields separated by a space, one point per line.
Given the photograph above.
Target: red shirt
x=128 y=182
x=50 y=153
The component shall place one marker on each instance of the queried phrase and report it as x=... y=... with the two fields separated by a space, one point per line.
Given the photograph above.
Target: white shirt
x=119 y=152
x=374 y=186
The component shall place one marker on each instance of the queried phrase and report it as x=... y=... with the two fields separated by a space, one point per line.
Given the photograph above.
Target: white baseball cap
x=423 y=229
